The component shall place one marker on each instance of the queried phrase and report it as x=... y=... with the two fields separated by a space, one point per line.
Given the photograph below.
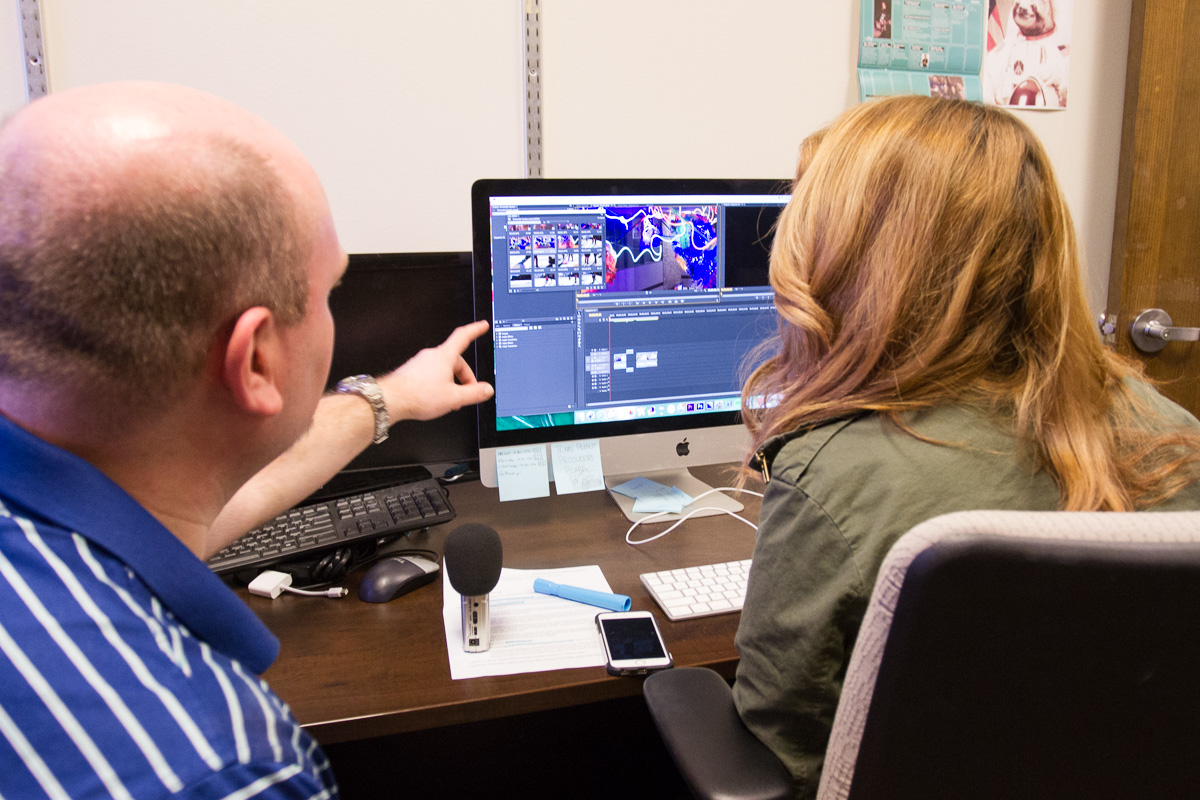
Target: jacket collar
x=764 y=456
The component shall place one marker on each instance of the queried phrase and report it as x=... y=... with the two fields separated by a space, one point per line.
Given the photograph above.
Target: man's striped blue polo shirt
x=127 y=669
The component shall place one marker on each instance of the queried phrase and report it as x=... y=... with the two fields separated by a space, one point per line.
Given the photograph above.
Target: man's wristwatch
x=365 y=387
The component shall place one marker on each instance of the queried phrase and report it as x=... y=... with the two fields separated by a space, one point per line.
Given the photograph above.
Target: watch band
x=365 y=387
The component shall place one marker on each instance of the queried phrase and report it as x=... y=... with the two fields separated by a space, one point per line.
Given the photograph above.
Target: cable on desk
x=272 y=583
x=337 y=591
x=684 y=518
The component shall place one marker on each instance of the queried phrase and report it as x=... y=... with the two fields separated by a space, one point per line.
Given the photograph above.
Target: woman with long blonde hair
x=935 y=354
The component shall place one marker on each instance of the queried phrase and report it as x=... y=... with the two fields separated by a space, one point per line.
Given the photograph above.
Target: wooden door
x=1156 y=239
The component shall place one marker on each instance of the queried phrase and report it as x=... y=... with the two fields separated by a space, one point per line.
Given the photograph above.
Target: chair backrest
x=1027 y=654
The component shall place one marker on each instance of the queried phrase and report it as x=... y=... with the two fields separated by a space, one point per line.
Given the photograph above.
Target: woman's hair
x=927 y=257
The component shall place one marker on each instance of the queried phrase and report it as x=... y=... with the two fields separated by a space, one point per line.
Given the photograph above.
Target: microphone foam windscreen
x=473 y=559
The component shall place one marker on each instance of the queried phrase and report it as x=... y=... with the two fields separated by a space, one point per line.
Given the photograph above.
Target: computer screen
x=386 y=308
x=622 y=310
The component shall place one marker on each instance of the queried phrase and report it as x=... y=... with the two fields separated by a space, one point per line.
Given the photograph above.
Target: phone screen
x=634 y=638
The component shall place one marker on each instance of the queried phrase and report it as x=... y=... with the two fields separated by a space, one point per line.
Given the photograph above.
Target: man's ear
x=252 y=363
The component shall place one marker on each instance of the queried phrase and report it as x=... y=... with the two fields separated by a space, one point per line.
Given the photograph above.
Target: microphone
x=473 y=560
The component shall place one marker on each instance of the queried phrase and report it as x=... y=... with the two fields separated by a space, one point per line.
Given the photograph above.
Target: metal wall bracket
x=533 y=89
x=35 y=49
x=1108 y=329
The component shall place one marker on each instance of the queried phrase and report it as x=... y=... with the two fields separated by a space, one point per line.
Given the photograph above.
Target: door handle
x=1152 y=330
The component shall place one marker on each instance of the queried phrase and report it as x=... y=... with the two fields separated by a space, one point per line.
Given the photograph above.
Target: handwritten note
x=522 y=472
x=577 y=466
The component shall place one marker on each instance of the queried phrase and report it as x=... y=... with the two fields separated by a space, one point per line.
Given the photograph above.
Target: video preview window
x=631 y=248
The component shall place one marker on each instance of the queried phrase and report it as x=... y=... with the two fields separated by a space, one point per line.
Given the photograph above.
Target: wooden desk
x=352 y=670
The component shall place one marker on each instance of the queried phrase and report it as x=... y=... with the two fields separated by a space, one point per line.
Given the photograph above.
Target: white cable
x=271 y=583
x=336 y=591
x=684 y=518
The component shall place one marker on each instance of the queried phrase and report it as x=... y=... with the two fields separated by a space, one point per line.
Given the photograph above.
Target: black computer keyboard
x=307 y=531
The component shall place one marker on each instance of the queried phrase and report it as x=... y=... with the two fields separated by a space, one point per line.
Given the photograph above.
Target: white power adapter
x=270 y=584
x=273 y=583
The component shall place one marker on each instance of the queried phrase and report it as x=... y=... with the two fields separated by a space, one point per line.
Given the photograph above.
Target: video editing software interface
x=627 y=307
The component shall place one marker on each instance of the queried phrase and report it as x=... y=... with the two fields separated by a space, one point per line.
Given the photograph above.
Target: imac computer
x=624 y=311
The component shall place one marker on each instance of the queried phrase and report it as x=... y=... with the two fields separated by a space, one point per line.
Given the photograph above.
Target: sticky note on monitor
x=577 y=466
x=522 y=472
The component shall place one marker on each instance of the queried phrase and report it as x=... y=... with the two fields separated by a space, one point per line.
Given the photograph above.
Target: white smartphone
x=632 y=642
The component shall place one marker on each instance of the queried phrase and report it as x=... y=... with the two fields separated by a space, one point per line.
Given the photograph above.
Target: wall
x=730 y=89
x=400 y=105
x=12 y=64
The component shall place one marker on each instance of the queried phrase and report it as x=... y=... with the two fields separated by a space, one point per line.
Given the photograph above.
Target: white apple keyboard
x=699 y=591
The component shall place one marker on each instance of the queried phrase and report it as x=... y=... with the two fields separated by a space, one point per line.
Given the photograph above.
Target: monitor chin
x=664 y=457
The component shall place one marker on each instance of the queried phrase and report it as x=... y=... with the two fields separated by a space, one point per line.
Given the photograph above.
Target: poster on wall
x=1013 y=53
x=1028 y=53
x=921 y=47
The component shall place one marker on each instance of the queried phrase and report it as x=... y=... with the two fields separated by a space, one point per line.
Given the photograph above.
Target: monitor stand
x=685 y=482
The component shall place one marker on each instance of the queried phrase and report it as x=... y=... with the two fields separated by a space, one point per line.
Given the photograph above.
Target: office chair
x=1003 y=654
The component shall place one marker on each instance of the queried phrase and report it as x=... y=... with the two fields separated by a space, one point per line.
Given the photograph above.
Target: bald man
x=165 y=265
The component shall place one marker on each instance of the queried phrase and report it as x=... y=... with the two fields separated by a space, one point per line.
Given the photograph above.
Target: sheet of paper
x=651 y=496
x=522 y=472
x=577 y=466
x=531 y=632
x=638 y=487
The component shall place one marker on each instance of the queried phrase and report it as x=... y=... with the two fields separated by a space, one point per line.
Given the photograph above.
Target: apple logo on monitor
x=681 y=449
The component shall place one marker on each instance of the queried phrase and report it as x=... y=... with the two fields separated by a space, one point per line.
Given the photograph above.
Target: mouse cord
x=337 y=591
x=684 y=518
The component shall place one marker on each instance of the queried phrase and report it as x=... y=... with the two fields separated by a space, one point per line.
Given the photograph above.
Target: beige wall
x=401 y=104
x=636 y=88
x=12 y=65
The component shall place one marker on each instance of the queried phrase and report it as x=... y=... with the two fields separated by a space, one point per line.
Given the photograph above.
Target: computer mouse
x=394 y=576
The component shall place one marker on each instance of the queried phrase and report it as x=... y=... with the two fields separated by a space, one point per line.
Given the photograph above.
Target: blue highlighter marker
x=613 y=602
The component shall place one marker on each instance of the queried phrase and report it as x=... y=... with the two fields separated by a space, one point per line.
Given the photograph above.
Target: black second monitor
x=386 y=308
